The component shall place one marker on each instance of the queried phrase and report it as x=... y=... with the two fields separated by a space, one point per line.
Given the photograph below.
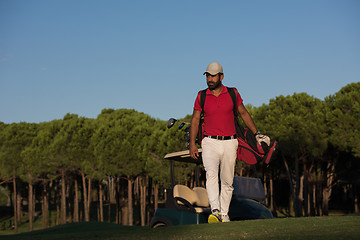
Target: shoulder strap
x=202 y=104
x=239 y=130
x=233 y=97
x=202 y=100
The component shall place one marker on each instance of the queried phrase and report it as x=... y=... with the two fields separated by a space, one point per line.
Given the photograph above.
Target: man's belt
x=222 y=137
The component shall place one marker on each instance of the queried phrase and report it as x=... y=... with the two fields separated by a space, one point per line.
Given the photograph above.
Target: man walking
x=219 y=145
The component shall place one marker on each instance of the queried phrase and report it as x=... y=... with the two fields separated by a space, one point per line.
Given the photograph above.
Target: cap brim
x=212 y=73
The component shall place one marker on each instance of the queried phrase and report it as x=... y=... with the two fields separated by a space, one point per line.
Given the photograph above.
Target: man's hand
x=194 y=152
x=262 y=138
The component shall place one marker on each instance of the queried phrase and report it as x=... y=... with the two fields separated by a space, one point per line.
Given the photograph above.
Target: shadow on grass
x=332 y=228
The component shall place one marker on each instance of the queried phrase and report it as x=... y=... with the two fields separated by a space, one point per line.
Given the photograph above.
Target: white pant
x=215 y=154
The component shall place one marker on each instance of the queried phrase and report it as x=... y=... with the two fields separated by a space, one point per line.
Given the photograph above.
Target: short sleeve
x=239 y=100
x=197 y=105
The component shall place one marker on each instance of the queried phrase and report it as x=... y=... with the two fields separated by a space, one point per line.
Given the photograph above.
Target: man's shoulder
x=227 y=87
x=202 y=90
x=233 y=88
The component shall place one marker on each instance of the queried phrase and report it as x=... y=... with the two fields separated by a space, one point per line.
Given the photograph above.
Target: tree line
x=111 y=168
x=319 y=146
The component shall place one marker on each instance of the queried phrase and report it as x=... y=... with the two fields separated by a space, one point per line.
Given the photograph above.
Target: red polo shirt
x=218 y=112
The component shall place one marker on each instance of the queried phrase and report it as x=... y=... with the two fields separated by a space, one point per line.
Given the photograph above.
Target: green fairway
x=335 y=227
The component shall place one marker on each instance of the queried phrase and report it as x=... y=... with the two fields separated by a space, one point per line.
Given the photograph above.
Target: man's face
x=213 y=81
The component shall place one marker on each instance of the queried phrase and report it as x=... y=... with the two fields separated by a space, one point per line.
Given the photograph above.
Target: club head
x=187 y=129
x=171 y=122
x=181 y=125
x=187 y=137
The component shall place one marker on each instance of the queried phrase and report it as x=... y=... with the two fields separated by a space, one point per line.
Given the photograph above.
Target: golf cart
x=191 y=206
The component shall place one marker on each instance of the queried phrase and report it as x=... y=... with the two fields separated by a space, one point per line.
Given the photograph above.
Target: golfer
x=219 y=145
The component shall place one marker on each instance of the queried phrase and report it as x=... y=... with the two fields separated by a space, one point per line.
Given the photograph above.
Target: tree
x=81 y=158
x=117 y=151
x=343 y=118
x=344 y=134
x=15 y=138
x=73 y=152
x=38 y=158
x=297 y=123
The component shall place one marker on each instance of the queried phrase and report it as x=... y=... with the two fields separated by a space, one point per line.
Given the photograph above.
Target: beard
x=214 y=85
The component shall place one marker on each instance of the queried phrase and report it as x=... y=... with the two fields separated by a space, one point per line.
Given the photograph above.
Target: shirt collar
x=223 y=91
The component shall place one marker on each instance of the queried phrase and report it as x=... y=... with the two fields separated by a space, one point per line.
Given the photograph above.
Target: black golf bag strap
x=202 y=104
x=239 y=129
x=233 y=98
x=202 y=101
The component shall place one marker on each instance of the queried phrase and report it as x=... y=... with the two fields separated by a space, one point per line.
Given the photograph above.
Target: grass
x=334 y=227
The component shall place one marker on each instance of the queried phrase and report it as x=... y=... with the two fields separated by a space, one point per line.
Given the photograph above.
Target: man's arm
x=245 y=116
x=193 y=133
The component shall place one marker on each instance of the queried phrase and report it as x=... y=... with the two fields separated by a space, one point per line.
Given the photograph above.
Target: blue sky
x=59 y=57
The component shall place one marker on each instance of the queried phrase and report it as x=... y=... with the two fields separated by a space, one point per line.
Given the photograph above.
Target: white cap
x=214 y=68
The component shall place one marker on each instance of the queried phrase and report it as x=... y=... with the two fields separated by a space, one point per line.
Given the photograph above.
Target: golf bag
x=249 y=150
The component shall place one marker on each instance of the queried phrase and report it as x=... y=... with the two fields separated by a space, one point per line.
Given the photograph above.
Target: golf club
x=172 y=121
x=186 y=137
x=181 y=125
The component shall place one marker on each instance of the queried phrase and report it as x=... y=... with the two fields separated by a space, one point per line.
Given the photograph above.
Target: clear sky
x=81 y=56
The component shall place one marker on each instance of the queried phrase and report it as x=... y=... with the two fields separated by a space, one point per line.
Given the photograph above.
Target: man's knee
x=211 y=175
